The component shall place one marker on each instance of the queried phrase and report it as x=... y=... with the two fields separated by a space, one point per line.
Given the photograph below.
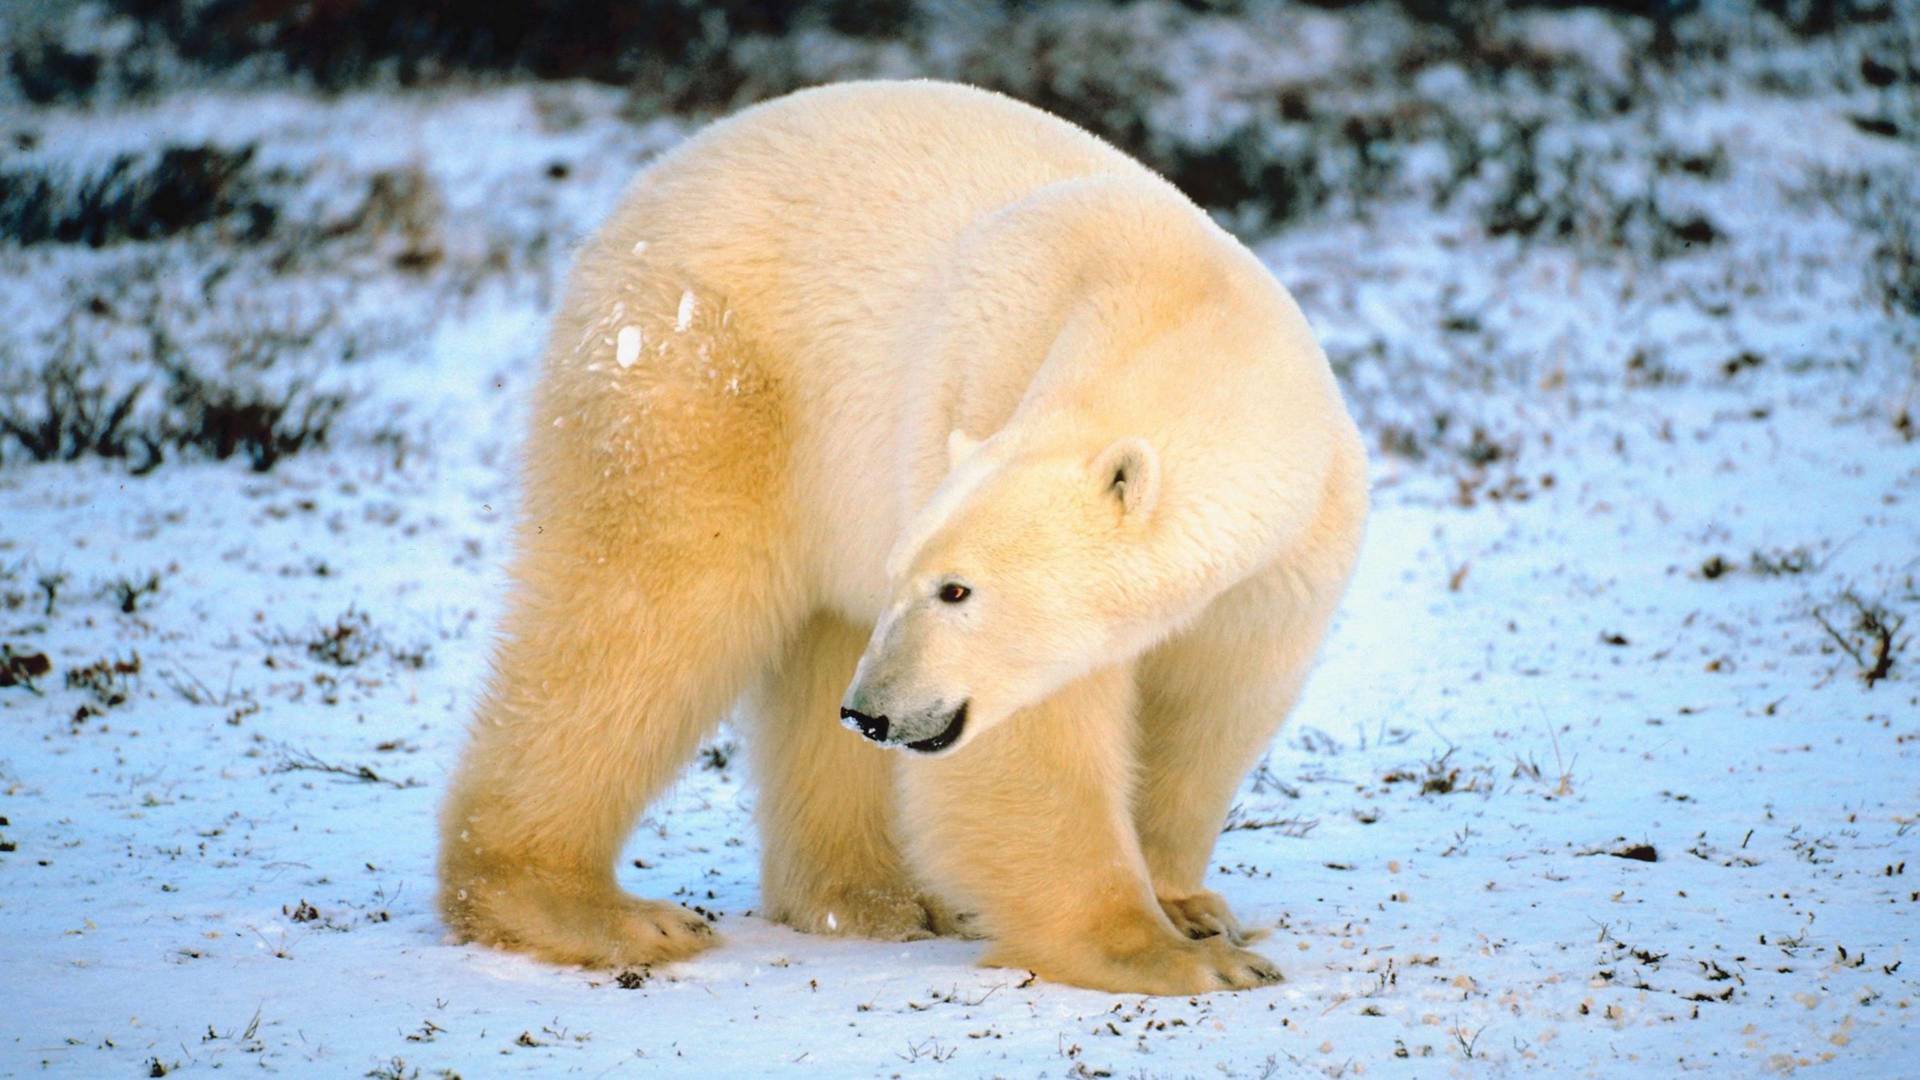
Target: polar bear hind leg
x=651 y=585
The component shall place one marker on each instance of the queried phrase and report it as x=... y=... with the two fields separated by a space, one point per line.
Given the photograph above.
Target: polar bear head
x=1024 y=572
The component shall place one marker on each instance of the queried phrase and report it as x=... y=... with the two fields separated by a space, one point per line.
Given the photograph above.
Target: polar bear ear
x=1129 y=472
x=960 y=447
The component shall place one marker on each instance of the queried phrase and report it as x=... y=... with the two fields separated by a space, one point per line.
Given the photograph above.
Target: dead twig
x=306 y=761
x=1238 y=820
x=1879 y=637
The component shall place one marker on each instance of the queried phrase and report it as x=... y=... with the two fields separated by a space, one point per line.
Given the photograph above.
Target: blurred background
x=336 y=172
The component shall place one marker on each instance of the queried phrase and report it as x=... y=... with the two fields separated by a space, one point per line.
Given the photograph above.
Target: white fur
x=900 y=336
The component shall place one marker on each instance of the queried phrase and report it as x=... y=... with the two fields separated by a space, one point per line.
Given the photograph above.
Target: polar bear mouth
x=933 y=744
x=884 y=731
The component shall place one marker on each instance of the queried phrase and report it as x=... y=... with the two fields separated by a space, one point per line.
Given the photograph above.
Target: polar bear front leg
x=1210 y=702
x=1029 y=826
x=829 y=864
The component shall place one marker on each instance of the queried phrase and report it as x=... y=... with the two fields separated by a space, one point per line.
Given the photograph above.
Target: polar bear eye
x=953 y=592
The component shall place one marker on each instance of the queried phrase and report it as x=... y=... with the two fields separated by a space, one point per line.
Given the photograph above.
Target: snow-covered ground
x=1589 y=779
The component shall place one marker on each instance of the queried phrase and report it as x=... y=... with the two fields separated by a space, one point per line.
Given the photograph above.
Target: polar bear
x=909 y=408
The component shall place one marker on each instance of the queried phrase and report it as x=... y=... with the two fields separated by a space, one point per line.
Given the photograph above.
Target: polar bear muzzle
x=946 y=729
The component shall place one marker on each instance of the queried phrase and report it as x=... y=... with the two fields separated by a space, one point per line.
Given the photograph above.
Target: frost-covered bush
x=85 y=402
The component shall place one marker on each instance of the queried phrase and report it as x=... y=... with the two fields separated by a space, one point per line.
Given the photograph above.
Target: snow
x=164 y=854
x=1588 y=618
x=627 y=347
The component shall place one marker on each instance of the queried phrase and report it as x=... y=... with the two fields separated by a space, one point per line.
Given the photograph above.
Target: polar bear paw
x=1203 y=914
x=878 y=913
x=597 y=928
x=1192 y=967
x=1170 y=966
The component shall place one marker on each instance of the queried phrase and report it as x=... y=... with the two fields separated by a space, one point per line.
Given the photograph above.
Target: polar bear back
x=818 y=290
x=801 y=230
x=820 y=212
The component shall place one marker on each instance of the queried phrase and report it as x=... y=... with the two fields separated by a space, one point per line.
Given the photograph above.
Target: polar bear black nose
x=873 y=727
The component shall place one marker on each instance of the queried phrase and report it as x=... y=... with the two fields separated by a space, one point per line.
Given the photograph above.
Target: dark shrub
x=74 y=418
x=340 y=43
x=47 y=71
x=137 y=197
